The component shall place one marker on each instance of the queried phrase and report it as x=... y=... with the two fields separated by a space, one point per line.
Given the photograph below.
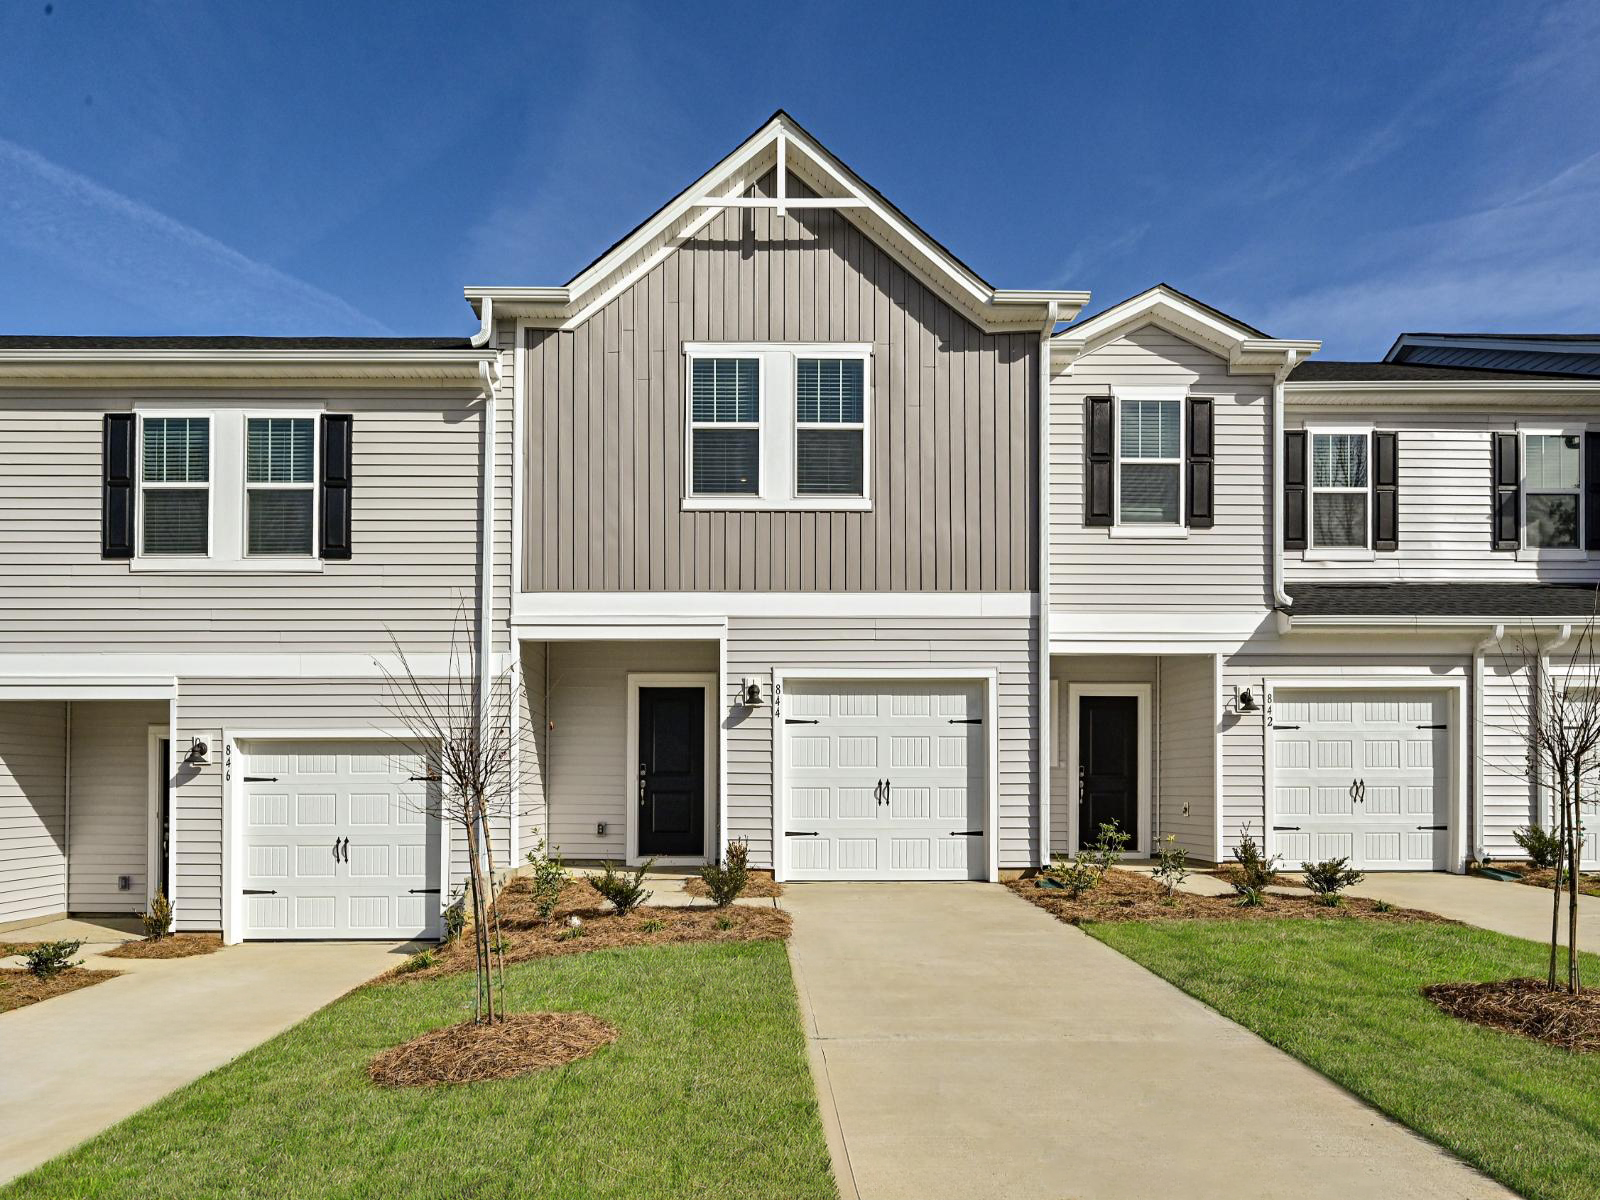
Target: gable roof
x=1247 y=349
x=781 y=139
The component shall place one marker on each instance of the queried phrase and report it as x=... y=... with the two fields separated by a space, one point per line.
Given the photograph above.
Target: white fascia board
x=1246 y=352
x=1432 y=622
x=1431 y=390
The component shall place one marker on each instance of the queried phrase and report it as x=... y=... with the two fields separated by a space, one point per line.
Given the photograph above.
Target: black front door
x=1108 y=766
x=672 y=771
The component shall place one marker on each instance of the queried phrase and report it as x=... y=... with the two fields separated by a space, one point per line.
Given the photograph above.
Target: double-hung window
x=175 y=486
x=778 y=426
x=1339 y=490
x=1552 y=480
x=1149 y=460
x=280 y=471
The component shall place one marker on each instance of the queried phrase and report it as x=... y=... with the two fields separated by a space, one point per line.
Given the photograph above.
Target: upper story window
x=1552 y=481
x=777 y=426
x=280 y=485
x=1339 y=491
x=175 y=492
x=1150 y=461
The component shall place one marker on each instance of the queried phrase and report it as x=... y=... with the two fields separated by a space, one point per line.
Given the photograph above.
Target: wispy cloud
x=1093 y=250
x=165 y=271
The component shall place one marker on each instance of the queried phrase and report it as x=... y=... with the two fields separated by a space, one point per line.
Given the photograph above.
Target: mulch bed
x=470 y=1053
x=527 y=937
x=1527 y=1008
x=1126 y=896
x=20 y=988
x=757 y=887
x=174 y=945
x=1545 y=877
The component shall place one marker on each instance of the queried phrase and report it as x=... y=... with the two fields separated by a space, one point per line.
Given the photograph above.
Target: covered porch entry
x=85 y=798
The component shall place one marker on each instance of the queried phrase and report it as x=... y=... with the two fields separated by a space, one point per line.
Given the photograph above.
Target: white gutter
x=1452 y=386
x=1401 y=622
x=1478 y=652
x=1042 y=632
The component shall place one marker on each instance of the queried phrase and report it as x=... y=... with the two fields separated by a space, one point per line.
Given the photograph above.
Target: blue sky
x=1341 y=171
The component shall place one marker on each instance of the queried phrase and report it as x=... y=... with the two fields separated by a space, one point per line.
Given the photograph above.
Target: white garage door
x=1363 y=775
x=335 y=842
x=884 y=780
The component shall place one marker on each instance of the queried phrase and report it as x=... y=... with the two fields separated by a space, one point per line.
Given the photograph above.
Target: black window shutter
x=336 y=433
x=1201 y=464
x=117 y=500
x=1591 y=491
x=1294 y=489
x=1507 y=514
x=1098 y=505
x=1385 y=491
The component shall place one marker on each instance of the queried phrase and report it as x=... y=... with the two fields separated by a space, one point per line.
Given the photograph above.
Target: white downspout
x=1042 y=591
x=485 y=323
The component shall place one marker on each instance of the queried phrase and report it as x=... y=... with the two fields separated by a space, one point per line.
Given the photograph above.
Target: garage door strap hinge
x=1286 y=829
x=792 y=833
x=261 y=779
x=801 y=721
x=260 y=891
x=1433 y=827
x=424 y=891
x=424 y=779
x=966 y=720
x=1281 y=728
x=966 y=833
x=1433 y=727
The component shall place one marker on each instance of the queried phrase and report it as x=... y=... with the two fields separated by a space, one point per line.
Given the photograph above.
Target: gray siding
x=111 y=802
x=1444 y=498
x=532 y=749
x=586 y=780
x=415 y=533
x=953 y=411
x=757 y=645
x=1187 y=747
x=33 y=809
x=1222 y=569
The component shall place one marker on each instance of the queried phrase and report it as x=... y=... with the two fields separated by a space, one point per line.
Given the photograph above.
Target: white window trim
x=1314 y=552
x=1175 y=531
x=226 y=554
x=246 y=487
x=1525 y=552
x=777 y=444
x=209 y=485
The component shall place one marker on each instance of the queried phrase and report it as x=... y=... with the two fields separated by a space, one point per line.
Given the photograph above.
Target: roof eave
x=351 y=367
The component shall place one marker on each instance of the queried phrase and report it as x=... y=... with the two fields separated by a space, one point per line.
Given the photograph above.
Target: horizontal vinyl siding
x=1444 y=500
x=757 y=646
x=111 y=802
x=1186 y=734
x=532 y=749
x=586 y=780
x=33 y=809
x=415 y=530
x=953 y=476
x=1222 y=569
x=1510 y=800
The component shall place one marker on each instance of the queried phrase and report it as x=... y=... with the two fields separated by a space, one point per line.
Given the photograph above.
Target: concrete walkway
x=1513 y=908
x=75 y=1064
x=968 y=1044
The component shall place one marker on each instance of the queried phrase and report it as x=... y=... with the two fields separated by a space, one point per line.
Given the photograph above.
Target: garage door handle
x=260 y=891
x=347 y=849
x=335 y=849
x=791 y=833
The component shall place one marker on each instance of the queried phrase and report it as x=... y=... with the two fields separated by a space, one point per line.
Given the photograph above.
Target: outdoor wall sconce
x=750 y=693
x=1244 y=701
x=197 y=754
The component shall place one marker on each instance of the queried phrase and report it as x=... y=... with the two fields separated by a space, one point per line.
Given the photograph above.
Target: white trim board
x=533 y=608
x=153 y=670
x=1143 y=694
x=157 y=788
x=708 y=683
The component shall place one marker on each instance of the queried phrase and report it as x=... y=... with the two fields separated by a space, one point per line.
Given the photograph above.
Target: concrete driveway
x=968 y=1044
x=1513 y=908
x=78 y=1063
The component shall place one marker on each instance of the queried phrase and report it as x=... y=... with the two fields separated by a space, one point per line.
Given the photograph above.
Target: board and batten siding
x=1187 y=748
x=1444 y=499
x=415 y=528
x=110 y=833
x=1222 y=569
x=953 y=414
x=33 y=809
x=586 y=779
x=758 y=645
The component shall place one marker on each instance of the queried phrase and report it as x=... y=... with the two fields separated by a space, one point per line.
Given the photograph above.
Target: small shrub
x=455 y=917
x=1108 y=847
x=1249 y=897
x=571 y=933
x=725 y=922
x=626 y=892
x=1172 y=864
x=1077 y=874
x=653 y=925
x=724 y=881
x=1327 y=879
x=549 y=876
x=500 y=946
x=1382 y=906
x=1257 y=872
x=1543 y=847
x=158 y=921
x=420 y=961
x=49 y=959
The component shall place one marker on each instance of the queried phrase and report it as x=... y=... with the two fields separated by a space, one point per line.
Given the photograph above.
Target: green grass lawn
x=1342 y=996
x=706 y=1093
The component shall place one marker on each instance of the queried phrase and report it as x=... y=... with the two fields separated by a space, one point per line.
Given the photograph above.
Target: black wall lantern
x=197 y=754
x=750 y=693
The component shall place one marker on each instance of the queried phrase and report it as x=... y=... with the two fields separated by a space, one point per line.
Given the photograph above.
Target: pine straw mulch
x=174 y=945
x=527 y=937
x=1527 y=1008
x=757 y=887
x=1545 y=877
x=20 y=988
x=470 y=1053
x=1126 y=896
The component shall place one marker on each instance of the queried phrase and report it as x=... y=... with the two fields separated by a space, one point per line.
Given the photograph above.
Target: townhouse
x=784 y=525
